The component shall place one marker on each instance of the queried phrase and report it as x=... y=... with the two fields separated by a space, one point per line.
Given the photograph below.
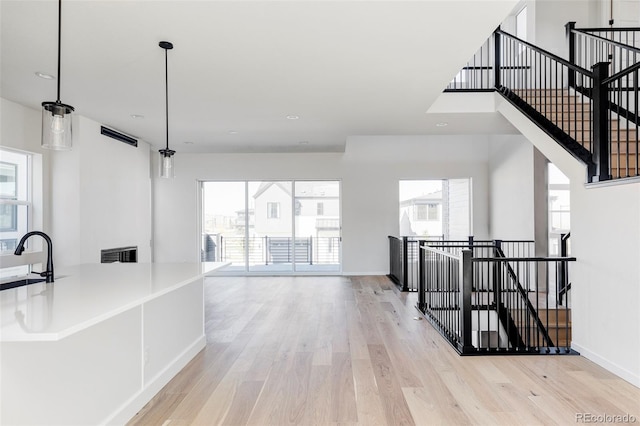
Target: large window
x=272 y=226
x=16 y=205
x=15 y=197
x=435 y=208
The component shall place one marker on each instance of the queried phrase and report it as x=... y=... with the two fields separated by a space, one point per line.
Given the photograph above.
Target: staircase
x=590 y=109
x=556 y=321
x=571 y=112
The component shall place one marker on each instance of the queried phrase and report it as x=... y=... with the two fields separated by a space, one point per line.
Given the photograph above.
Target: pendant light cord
x=59 y=43
x=166 y=91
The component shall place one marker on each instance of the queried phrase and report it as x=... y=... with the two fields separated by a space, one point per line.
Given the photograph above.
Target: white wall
x=101 y=196
x=115 y=194
x=511 y=197
x=98 y=195
x=369 y=170
x=626 y=13
x=547 y=18
x=605 y=234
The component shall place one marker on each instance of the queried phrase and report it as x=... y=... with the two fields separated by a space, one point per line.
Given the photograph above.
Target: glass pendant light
x=166 y=154
x=56 y=116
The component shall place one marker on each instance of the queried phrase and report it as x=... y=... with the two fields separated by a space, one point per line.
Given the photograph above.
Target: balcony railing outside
x=267 y=250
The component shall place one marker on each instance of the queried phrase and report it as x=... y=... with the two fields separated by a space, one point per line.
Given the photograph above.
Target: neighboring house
x=272 y=206
x=316 y=220
x=316 y=210
x=423 y=215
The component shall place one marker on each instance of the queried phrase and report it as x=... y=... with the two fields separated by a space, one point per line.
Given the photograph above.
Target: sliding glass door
x=270 y=242
x=317 y=225
x=272 y=226
x=224 y=226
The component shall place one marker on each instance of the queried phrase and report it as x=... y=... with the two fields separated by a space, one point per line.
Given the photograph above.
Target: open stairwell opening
x=488 y=297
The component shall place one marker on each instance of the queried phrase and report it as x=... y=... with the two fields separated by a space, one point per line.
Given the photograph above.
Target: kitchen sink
x=20 y=283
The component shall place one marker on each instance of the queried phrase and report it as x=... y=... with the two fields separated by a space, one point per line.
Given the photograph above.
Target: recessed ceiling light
x=292 y=117
x=233 y=132
x=304 y=142
x=136 y=116
x=45 y=75
x=442 y=124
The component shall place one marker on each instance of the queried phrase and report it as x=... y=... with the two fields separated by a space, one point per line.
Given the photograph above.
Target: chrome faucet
x=48 y=274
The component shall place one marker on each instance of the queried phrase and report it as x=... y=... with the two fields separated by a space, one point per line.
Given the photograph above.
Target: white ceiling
x=239 y=68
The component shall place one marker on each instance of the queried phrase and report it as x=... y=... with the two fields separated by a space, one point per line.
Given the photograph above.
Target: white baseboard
x=129 y=409
x=619 y=371
x=354 y=274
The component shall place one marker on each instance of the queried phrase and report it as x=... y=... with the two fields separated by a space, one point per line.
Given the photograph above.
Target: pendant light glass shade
x=56 y=126
x=166 y=154
x=56 y=116
x=166 y=163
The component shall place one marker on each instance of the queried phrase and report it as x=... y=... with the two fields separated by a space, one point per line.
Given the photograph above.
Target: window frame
x=21 y=195
x=270 y=211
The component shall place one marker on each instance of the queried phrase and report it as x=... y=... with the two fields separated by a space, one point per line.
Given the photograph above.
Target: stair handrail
x=586 y=32
x=621 y=74
x=609 y=29
x=553 y=56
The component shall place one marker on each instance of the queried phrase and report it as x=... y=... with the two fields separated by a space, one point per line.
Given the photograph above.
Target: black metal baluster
x=627 y=124
x=635 y=110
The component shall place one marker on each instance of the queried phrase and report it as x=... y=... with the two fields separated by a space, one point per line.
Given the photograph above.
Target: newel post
x=497 y=276
x=562 y=280
x=600 y=122
x=570 y=26
x=405 y=264
x=496 y=59
x=466 y=282
x=421 y=277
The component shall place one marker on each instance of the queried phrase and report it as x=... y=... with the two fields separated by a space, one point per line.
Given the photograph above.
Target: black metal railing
x=622 y=97
x=497 y=304
x=397 y=262
x=477 y=74
x=620 y=47
x=563 y=284
x=267 y=250
x=441 y=293
x=404 y=254
x=566 y=100
x=591 y=112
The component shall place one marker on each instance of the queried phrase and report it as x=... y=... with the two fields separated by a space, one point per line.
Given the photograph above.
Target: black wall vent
x=118 y=136
x=120 y=254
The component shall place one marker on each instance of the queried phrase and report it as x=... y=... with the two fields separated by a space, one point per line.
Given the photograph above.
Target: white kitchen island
x=97 y=344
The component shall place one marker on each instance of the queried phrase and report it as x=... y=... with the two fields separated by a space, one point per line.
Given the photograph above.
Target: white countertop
x=84 y=295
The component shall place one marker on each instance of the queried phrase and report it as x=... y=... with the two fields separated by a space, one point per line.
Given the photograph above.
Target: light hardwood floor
x=351 y=351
